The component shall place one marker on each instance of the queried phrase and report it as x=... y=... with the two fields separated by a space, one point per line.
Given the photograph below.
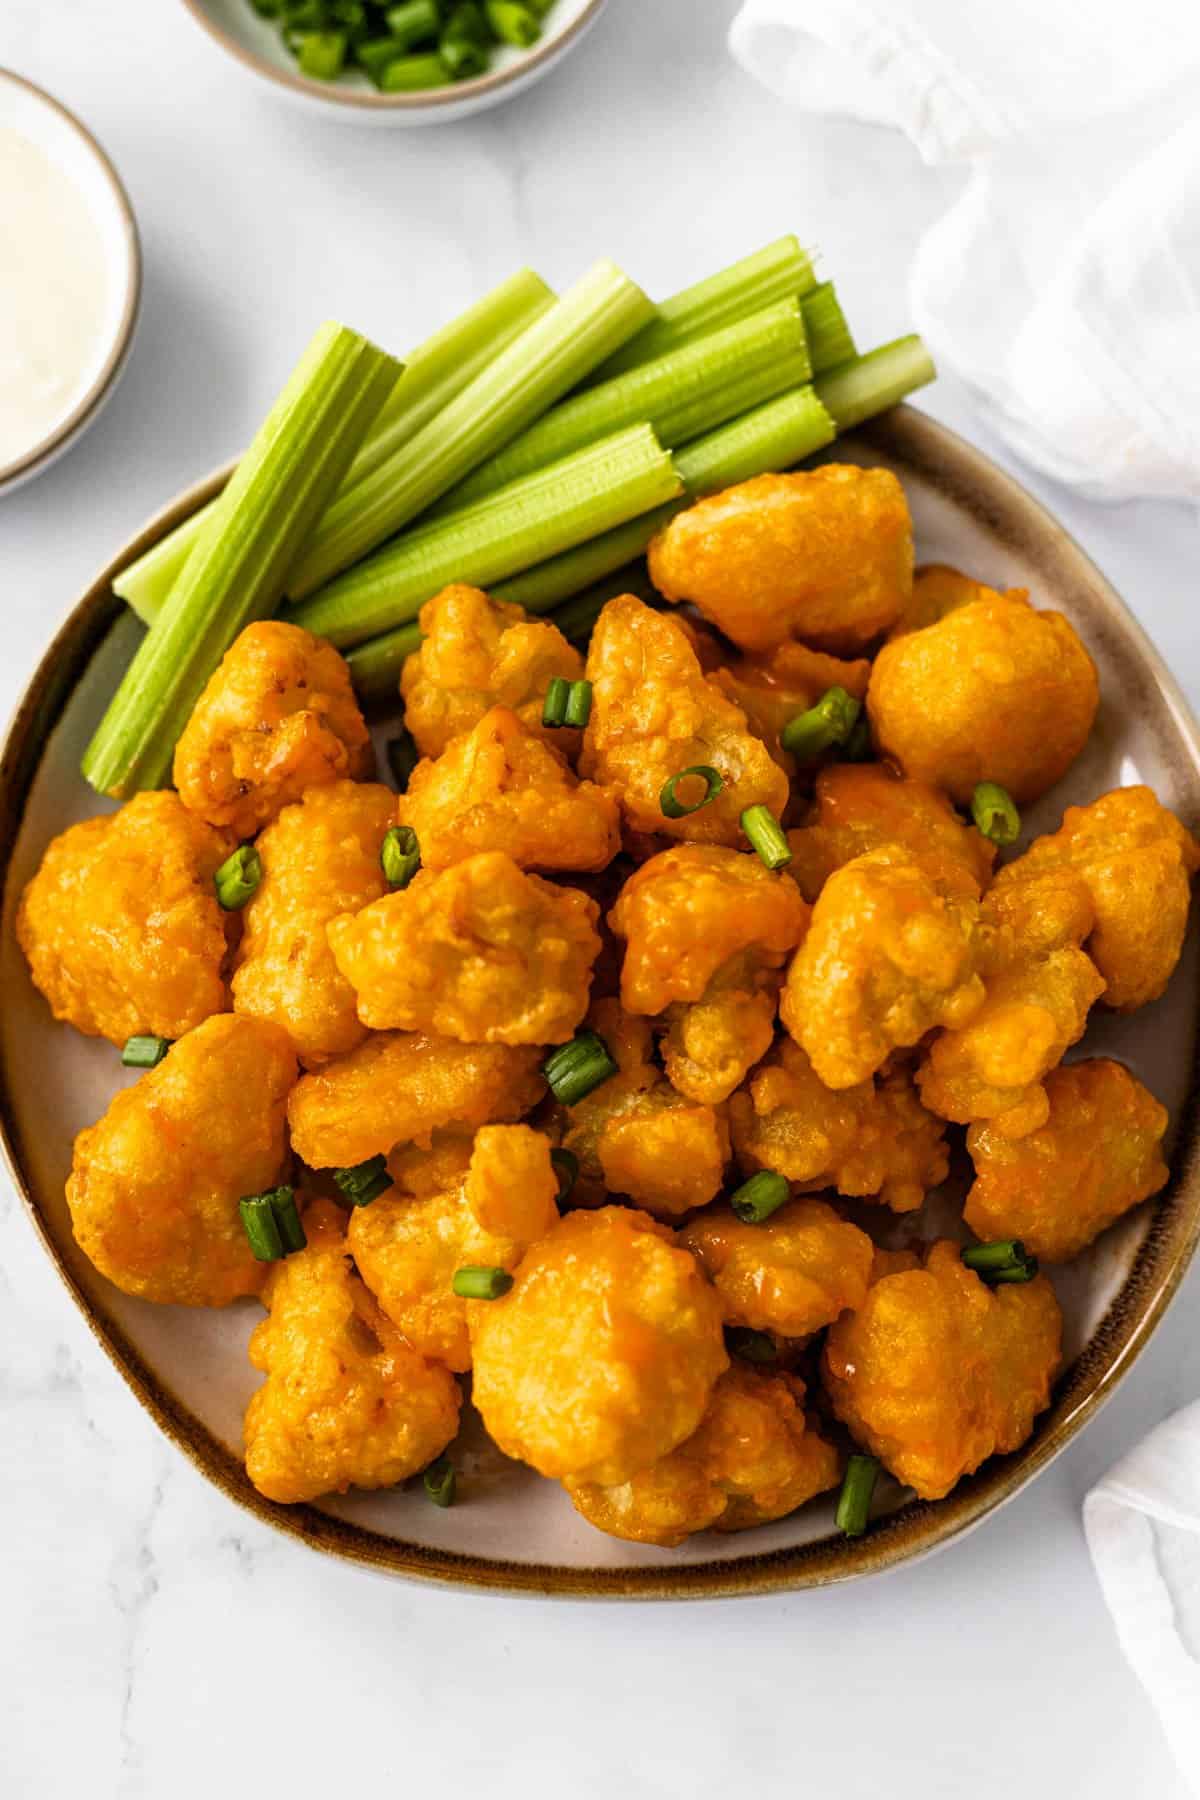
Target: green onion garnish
x=579 y=705
x=403 y=757
x=994 y=812
x=766 y=836
x=566 y=1166
x=752 y=1346
x=413 y=22
x=713 y=781
x=364 y=1182
x=237 y=879
x=410 y=74
x=287 y=1218
x=321 y=54
x=854 y=1501
x=858 y=746
x=400 y=857
x=439 y=1481
x=1001 y=1261
x=513 y=23
x=144 y=1052
x=567 y=703
x=827 y=723
x=272 y=1224
x=576 y=1069
x=479 y=1282
x=758 y=1198
x=461 y=57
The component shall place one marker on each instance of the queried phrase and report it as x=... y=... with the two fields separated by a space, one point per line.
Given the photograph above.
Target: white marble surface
x=153 y=1642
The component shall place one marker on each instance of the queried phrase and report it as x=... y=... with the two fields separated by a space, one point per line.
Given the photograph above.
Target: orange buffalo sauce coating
x=938 y=589
x=791 y=1275
x=864 y=806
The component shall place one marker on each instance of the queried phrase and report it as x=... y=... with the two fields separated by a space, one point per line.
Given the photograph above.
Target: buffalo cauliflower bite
x=824 y=555
x=654 y=714
x=862 y=806
x=481 y=952
x=753 y=1458
x=792 y=1275
x=938 y=590
x=155 y=1185
x=498 y=787
x=934 y=1371
x=401 y=1087
x=603 y=1355
x=346 y=1402
x=320 y=858
x=995 y=691
x=477 y=653
x=407 y=1247
x=706 y=933
x=1136 y=860
x=121 y=925
x=771 y=688
x=888 y=956
x=874 y=1141
x=277 y=718
x=1098 y=1154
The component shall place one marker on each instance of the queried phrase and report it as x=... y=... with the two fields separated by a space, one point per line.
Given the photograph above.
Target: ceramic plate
x=515 y=1531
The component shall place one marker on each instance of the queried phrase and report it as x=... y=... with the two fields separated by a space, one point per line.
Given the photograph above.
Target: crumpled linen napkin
x=1064 y=282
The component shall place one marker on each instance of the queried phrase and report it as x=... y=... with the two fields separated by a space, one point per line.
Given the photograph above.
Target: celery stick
x=689 y=391
x=780 y=271
x=237 y=569
x=536 y=369
x=830 y=343
x=876 y=381
x=438 y=370
x=542 y=514
x=375 y=666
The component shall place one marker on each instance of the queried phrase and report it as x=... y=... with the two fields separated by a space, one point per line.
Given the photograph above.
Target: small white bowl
x=26 y=109
x=257 y=45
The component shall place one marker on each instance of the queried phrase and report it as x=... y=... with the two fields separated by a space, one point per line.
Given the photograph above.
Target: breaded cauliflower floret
x=1137 y=861
x=499 y=787
x=993 y=692
x=938 y=590
x=320 y=858
x=346 y=1402
x=772 y=687
x=121 y=926
x=862 y=806
x=825 y=555
x=888 y=956
x=402 y=1086
x=603 y=1355
x=791 y=1275
x=654 y=714
x=477 y=653
x=1098 y=1154
x=481 y=952
x=155 y=1185
x=706 y=933
x=277 y=718
x=407 y=1248
x=754 y=1458
x=935 y=1372
x=873 y=1141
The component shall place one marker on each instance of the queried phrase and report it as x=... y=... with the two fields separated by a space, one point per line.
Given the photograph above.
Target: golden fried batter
x=753 y=1458
x=873 y=1141
x=346 y=1402
x=862 y=806
x=602 y=1357
x=993 y=692
x=938 y=590
x=278 y=717
x=121 y=925
x=936 y=1372
x=481 y=952
x=887 y=957
x=320 y=858
x=824 y=555
x=402 y=1086
x=499 y=787
x=654 y=713
x=477 y=653
x=1098 y=1154
x=791 y=1275
x=773 y=687
x=155 y=1185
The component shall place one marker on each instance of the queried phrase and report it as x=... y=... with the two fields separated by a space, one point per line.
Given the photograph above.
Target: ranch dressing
x=54 y=296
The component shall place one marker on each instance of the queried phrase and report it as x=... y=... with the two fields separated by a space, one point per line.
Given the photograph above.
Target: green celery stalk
x=534 y=518
x=438 y=370
x=238 y=567
x=830 y=343
x=375 y=666
x=876 y=381
x=554 y=353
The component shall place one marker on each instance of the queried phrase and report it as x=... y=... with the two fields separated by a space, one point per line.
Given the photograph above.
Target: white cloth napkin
x=1064 y=282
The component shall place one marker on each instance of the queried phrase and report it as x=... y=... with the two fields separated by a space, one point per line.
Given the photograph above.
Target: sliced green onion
x=827 y=723
x=478 y=1282
x=461 y=57
x=858 y=746
x=672 y=807
x=322 y=54
x=287 y=1219
x=766 y=836
x=554 y=712
x=413 y=74
x=758 y=1198
x=994 y=812
x=1003 y=1260
x=258 y=1222
x=413 y=22
x=513 y=23
x=829 y=341
x=576 y=1069
x=237 y=879
x=567 y=703
x=466 y=21
x=579 y=705
x=400 y=855
x=566 y=1166
x=403 y=757
x=144 y=1052
x=364 y=1182
x=440 y=1482
x=876 y=381
x=854 y=1501
x=752 y=1346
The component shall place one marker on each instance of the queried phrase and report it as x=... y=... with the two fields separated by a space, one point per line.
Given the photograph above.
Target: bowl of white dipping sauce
x=70 y=279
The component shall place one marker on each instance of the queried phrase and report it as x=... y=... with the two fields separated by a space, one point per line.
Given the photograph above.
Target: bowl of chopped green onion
x=407 y=62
